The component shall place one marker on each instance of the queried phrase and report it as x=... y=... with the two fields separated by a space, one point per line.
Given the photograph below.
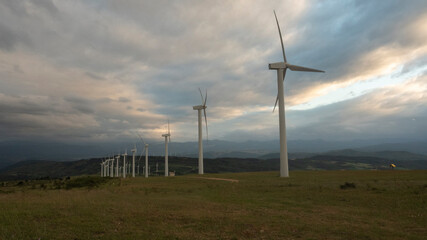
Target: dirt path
x=220 y=179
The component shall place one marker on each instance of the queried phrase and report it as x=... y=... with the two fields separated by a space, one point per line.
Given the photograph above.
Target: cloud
x=103 y=70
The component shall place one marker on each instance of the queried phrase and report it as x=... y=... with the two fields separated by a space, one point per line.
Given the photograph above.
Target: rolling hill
x=337 y=160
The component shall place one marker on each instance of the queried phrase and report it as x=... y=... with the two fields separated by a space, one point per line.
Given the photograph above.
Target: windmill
x=117 y=166
x=133 y=150
x=112 y=166
x=124 y=163
x=146 y=155
x=167 y=137
x=199 y=109
x=106 y=170
x=102 y=169
x=281 y=68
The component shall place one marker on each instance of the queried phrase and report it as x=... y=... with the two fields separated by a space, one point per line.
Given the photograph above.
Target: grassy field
x=308 y=205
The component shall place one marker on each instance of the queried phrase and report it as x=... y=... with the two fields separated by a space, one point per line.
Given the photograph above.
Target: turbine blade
x=201 y=95
x=139 y=135
x=277 y=99
x=140 y=156
x=206 y=122
x=206 y=97
x=302 y=69
x=280 y=34
x=169 y=132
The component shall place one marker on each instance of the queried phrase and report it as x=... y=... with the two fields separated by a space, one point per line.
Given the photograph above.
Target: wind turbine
x=281 y=68
x=102 y=169
x=146 y=154
x=112 y=167
x=133 y=160
x=166 y=136
x=124 y=163
x=117 y=166
x=199 y=109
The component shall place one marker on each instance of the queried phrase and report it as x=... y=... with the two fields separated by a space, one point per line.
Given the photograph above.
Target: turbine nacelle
x=283 y=65
x=199 y=107
x=277 y=65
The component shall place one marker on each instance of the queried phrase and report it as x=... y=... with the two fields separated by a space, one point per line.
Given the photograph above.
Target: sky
x=95 y=71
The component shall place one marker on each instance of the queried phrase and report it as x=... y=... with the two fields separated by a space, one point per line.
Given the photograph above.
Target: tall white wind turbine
x=199 y=109
x=281 y=68
x=133 y=160
x=167 y=137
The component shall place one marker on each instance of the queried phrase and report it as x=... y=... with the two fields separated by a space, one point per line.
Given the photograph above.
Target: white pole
x=117 y=166
x=284 y=170
x=133 y=164
x=124 y=166
x=199 y=111
x=166 y=157
x=146 y=160
x=105 y=169
x=112 y=167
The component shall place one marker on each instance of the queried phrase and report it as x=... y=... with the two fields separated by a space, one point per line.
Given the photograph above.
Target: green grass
x=308 y=205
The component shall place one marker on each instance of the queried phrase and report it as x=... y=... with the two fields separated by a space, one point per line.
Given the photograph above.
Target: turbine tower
x=146 y=154
x=112 y=167
x=146 y=160
x=117 y=166
x=281 y=68
x=102 y=169
x=124 y=163
x=167 y=137
x=199 y=109
x=133 y=160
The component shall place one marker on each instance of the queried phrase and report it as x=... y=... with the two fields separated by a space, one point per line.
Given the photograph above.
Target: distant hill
x=390 y=155
x=15 y=151
x=414 y=147
x=184 y=165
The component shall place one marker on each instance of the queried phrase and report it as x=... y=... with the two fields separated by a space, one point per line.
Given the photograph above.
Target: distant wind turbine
x=102 y=169
x=199 y=109
x=117 y=166
x=133 y=150
x=124 y=163
x=146 y=154
x=167 y=137
x=112 y=166
x=281 y=68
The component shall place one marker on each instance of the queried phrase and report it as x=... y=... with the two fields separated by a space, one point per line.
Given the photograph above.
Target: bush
x=88 y=181
x=348 y=185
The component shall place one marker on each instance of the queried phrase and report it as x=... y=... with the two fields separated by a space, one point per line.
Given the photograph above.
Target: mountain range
x=15 y=151
x=346 y=159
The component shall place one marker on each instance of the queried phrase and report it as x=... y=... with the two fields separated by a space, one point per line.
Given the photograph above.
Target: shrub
x=88 y=181
x=348 y=185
